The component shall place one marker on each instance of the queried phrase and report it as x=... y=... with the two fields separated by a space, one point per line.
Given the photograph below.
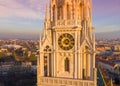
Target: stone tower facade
x=67 y=45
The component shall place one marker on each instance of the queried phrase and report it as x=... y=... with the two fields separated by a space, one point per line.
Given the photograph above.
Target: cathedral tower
x=67 y=45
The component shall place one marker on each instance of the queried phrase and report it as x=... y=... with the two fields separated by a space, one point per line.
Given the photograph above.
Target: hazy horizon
x=25 y=18
x=98 y=35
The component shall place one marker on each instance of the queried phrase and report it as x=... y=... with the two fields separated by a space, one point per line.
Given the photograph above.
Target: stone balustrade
x=65 y=23
x=47 y=81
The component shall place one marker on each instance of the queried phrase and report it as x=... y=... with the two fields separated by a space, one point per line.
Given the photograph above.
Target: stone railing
x=47 y=81
x=67 y=23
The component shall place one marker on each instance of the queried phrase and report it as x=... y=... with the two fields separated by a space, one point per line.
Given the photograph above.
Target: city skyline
x=19 y=18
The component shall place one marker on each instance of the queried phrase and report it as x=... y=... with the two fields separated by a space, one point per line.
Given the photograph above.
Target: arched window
x=47 y=61
x=68 y=12
x=80 y=11
x=53 y=14
x=61 y=12
x=45 y=66
x=47 y=49
x=87 y=50
x=67 y=65
x=58 y=13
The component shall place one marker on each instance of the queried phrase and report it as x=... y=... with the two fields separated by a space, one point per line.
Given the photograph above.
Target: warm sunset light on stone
x=67 y=45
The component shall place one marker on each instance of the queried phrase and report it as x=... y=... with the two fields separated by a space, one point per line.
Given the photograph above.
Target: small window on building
x=68 y=12
x=45 y=66
x=67 y=65
x=53 y=13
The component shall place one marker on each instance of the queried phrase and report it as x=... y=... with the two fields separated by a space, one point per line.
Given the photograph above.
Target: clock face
x=66 y=41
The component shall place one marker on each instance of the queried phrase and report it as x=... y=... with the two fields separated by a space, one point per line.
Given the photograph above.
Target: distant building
x=116 y=47
x=3 y=50
x=16 y=67
x=116 y=50
x=12 y=46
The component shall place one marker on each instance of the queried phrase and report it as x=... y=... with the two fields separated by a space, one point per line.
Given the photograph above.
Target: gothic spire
x=47 y=14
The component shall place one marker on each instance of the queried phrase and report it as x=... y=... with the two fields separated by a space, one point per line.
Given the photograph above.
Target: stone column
x=83 y=62
x=70 y=11
x=75 y=58
x=64 y=12
x=54 y=56
x=55 y=15
x=48 y=68
x=41 y=64
x=52 y=65
x=76 y=13
x=38 y=70
x=95 y=77
x=89 y=66
x=79 y=56
x=92 y=58
x=81 y=65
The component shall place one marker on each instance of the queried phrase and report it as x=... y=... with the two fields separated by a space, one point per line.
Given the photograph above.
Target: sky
x=25 y=18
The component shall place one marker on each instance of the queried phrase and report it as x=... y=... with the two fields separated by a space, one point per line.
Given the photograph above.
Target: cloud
x=32 y=9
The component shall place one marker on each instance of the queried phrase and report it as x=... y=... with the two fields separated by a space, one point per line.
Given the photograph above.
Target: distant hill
x=108 y=35
x=19 y=36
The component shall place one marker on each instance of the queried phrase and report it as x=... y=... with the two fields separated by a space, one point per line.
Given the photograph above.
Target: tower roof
x=47 y=13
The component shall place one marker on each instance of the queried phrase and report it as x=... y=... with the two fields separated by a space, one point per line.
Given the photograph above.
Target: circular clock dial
x=66 y=41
